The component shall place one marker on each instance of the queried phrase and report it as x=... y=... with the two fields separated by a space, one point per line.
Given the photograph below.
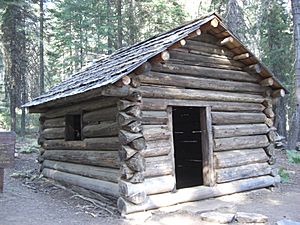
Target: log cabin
x=183 y=116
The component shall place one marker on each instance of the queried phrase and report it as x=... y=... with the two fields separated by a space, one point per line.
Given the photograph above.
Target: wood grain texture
x=230 y=143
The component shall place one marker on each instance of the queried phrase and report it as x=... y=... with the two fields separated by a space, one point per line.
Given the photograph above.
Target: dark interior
x=73 y=127
x=187 y=147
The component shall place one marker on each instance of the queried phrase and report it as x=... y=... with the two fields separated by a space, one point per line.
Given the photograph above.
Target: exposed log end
x=198 y=32
x=138 y=144
x=227 y=40
x=123 y=81
x=278 y=93
x=165 y=55
x=255 y=68
x=241 y=56
x=267 y=82
x=214 y=22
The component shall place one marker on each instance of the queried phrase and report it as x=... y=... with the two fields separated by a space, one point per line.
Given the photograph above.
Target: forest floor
x=31 y=200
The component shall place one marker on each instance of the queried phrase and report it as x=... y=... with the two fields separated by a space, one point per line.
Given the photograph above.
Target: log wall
x=127 y=143
x=203 y=74
x=92 y=163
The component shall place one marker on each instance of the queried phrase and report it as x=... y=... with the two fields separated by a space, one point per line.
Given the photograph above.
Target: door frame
x=206 y=143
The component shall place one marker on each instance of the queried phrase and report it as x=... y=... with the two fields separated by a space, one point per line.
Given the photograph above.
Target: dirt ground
x=29 y=201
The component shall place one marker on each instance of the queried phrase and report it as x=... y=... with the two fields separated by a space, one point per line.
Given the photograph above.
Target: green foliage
x=284 y=175
x=78 y=31
x=293 y=156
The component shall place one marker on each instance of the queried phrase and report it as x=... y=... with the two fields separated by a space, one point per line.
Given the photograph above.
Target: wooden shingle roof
x=121 y=63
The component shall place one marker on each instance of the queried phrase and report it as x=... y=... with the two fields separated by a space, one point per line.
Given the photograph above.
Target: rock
x=217 y=217
x=243 y=217
x=287 y=222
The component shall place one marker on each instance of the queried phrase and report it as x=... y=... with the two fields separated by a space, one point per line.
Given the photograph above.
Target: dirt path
x=40 y=202
x=26 y=202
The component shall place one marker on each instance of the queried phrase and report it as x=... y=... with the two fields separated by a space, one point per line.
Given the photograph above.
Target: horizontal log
x=208 y=58
x=242 y=172
x=158 y=166
x=231 y=143
x=53 y=133
x=155 y=167
x=195 y=194
x=154 y=117
x=207 y=48
x=108 y=91
x=101 y=173
x=200 y=83
x=104 y=129
x=161 y=104
x=156 y=148
x=99 y=186
x=107 y=114
x=221 y=131
x=95 y=158
x=240 y=157
x=153 y=185
x=104 y=143
x=156 y=132
x=199 y=71
x=241 y=56
x=55 y=122
x=109 y=200
x=107 y=143
x=237 y=118
x=190 y=94
x=81 y=106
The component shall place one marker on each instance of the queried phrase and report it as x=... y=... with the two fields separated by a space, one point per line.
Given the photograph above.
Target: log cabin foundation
x=184 y=116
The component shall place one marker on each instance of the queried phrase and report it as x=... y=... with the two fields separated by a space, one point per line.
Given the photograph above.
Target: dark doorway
x=187 y=146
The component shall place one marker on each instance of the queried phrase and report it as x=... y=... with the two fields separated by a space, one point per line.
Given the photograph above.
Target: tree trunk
x=294 y=134
x=131 y=22
x=42 y=75
x=109 y=27
x=120 y=34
